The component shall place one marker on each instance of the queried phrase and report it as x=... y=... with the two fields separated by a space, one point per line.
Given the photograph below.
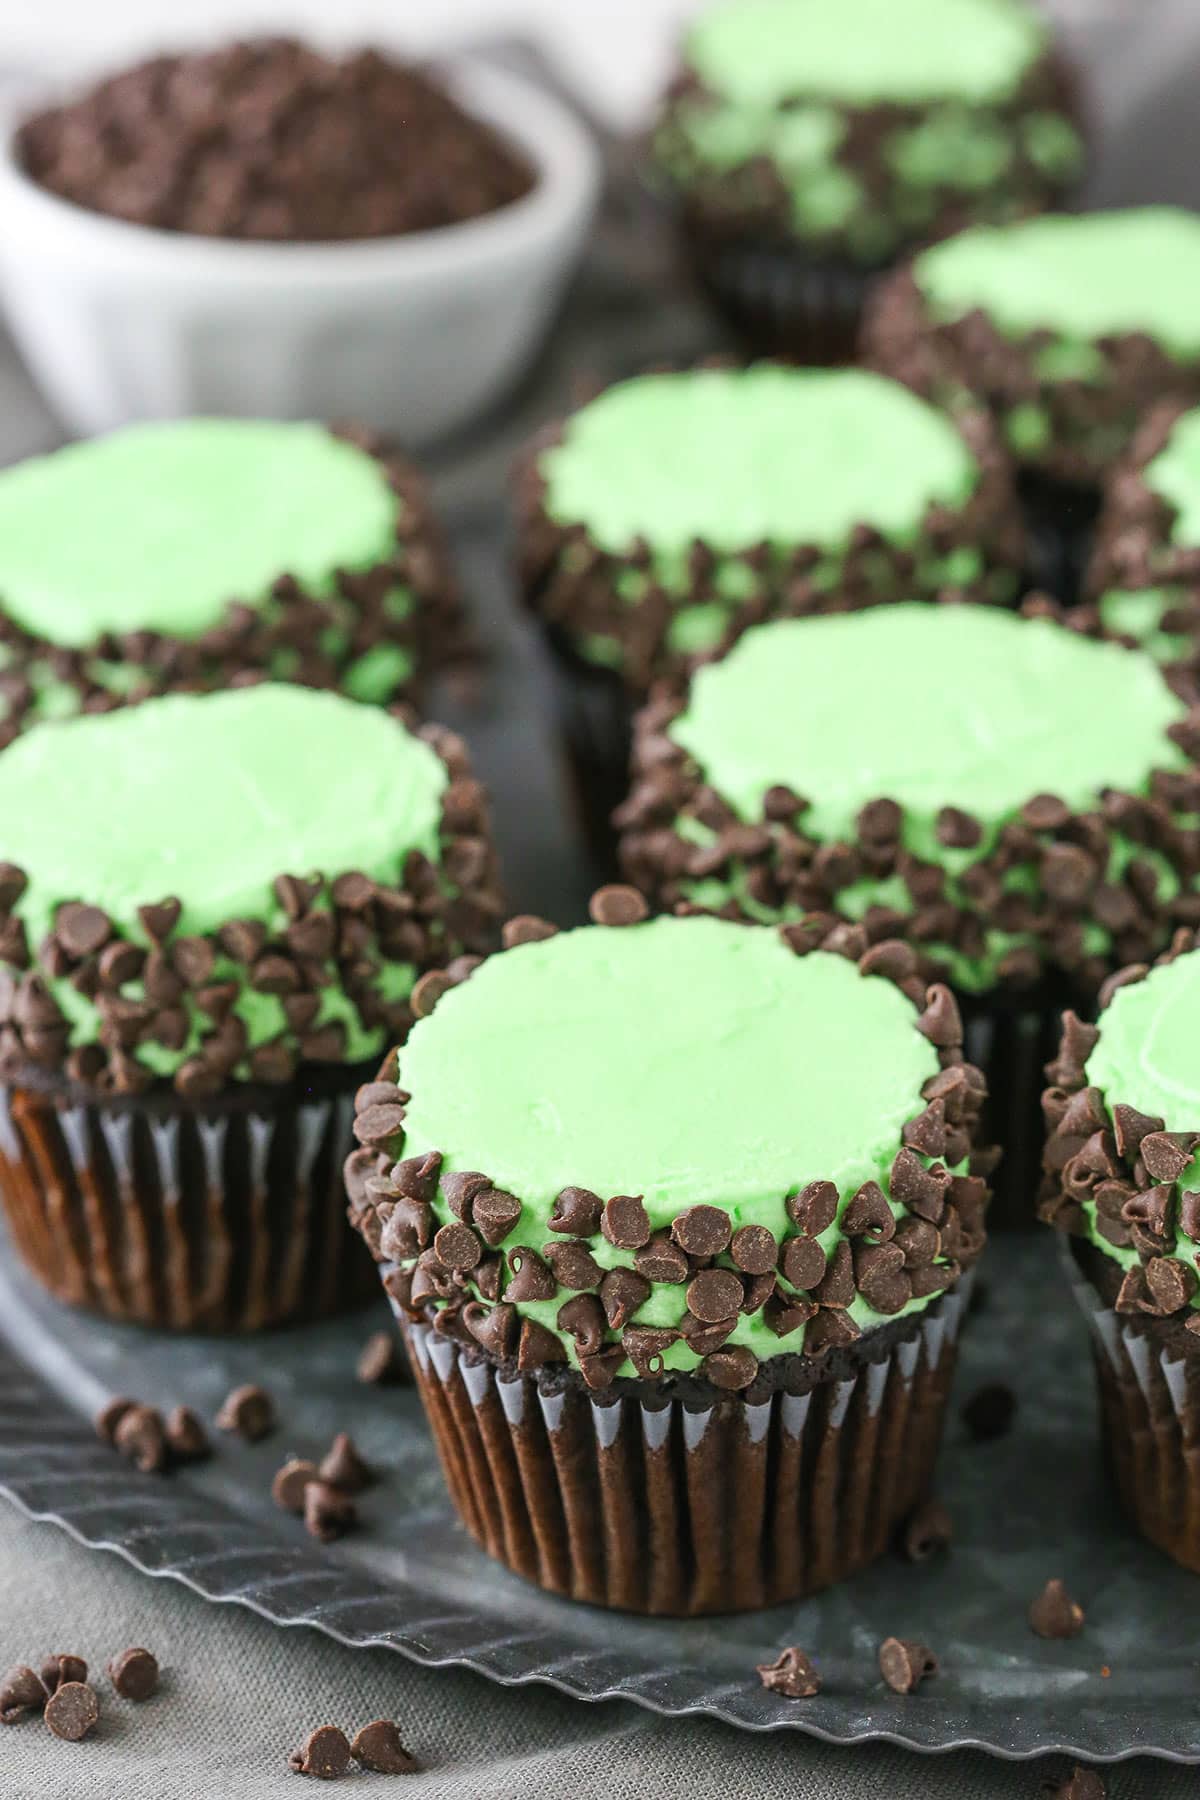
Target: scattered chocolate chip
x=343 y=1467
x=248 y=1410
x=328 y=1512
x=325 y=1753
x=381 y=1360
x=141 y=1437
x=617 y=906
x=187 y=1439
x=287 y=1489
x=989 y=1412
x=73 y=1711
x=905 y=1664
x=20 y=1692
x=1053 y=1613
x=378 y=1747
x=625 y=1222
x=134 y=1673
x=1080 y=1784
x=791 y=1674
x=702 y=1230
x=110 y=1416
x=927 y=1531
x=58 y=1667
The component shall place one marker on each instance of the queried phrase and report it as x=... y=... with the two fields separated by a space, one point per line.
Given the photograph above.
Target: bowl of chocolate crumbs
x=269 y=230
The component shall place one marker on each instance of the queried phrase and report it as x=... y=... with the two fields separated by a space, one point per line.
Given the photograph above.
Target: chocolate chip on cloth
x=62 y=1666
x=378 y=1747
x=72 y=1711
x=324 y=1754
x=271 y=139
x=1080 y=1784
x=134 y=1673
x=791 y=1674
x=905 y=1664
x=1053 y=1613
x=249 y=1411
x=671 y=1284
x=21 y=1692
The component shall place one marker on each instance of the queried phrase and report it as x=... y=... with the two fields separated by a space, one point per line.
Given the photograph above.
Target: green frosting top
x=930 y=706
x=1081 y=277
x=686 y=1061
x=1175 y=474
x=865 y=51
x=1148 y=1057
x=765 y=455
x=159 y=527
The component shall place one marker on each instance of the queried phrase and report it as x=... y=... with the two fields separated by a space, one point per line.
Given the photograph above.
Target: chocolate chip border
x=454 y=1277
x=1128 y=1166
x=1091 y=422
x=242 y=645
x=417 y=919
x=753 y=200
x=571 y=583
x=1067 y=854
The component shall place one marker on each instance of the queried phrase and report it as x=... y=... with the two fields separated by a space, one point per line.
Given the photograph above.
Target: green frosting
x=1138 y=613
x=1175 y=475
x=159 y=527
x=208 y=799
x=1148 y=1056
x=764 y=52
x=741 y=458
x=1080 y=277
x=931 y=707
x=686 y=1061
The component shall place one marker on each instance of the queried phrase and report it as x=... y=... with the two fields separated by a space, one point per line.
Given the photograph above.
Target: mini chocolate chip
x=287 y=1489
x=927 y=1132
x=1171 y=1282
x=1130 y=1127
x=343 y=1467
x=574 y=1265
x=781 y=804
x=904 y=1664
x=989 y=1412
x=868 y=1215
x=428 y=991
x=791 y=1674
x=829 y=1329
x=577 y=1212
x=1046 y=812
x=753 y=1249
x=20 y=1692
x=879 y=822
x=1080 y=1784
x=927 y=1531
x=583 y=1317
x=957 y=829
x=381 y=1360
x=892 y=958
x=73 y=1711
x=328 y=1512
x=13 y=882
x=625 y=1222
x=732 y=1368
x=538 y=1346
x=622 y=1291
x=249 y=1411
x=377 y=1747
x=713 y=1295
x=457 y=1247
x=836 y=1287
x=141 y=1438
x=814 y=1208
x=134 y=1673
x=617 y=905
x=379 y=1124
x=921 y=1190
x=417 y=1176
x=787 y=1313
x=645 y=1346
x=1053 y=1613
x=803 y=1262
x=702 y=1230
x=494 y=1327
x=526 y=928
x=494 y=1213
x=661 y=1260
x=941 y=1022
x=187 y=1439
x=1167 y=1154
x=702 y=1338
x=531 y=1278
x=81 y=930
x=110 y=1416
x=325 y=1754
x=58 y=1667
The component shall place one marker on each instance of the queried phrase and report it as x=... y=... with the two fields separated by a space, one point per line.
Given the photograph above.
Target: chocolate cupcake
x=809 y=143
x=679 y=1264
x=1068 y=329
x=1122 y=1178
x=1010 y=798
x=674 y=510
x=178 y=556
x=213 y=912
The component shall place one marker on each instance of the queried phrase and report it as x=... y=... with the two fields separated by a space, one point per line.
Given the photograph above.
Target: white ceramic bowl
x=415 y=335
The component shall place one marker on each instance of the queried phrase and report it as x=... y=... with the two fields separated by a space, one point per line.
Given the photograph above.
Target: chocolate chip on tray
x=989 y=1412
x=904 y=1664
x=791 y=1674
x=342 y=1466
x=381 y=1360
x=134 y=1673
x=291 y=1481
x=926 y=1532
x=73 y=1711
x=248 y=1410
x=20 y=1692
x=141 y=1437
x=1053 y=1613
x=324 y=1753
x=377 y=1747
x=62 y=1666
x=110 y=1416
x=187 y=1439
x=328 y=1512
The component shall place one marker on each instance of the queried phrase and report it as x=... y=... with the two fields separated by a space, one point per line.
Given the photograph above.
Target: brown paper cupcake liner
x=224 y=1214
x=1148 y=1386
x=656 y=1502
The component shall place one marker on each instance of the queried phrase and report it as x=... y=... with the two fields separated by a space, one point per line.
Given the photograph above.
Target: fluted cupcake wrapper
x=640 y=1500
x=224 y=1214
x=1150 y=1420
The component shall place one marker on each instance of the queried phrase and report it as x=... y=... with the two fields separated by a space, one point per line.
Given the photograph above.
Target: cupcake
x=809 y=143
x=678 y=1223
x=674 y=510
x=183 y=555
x=213 y=912
x=1012 y=799
x=1068 y=329
x=1122 y=1182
